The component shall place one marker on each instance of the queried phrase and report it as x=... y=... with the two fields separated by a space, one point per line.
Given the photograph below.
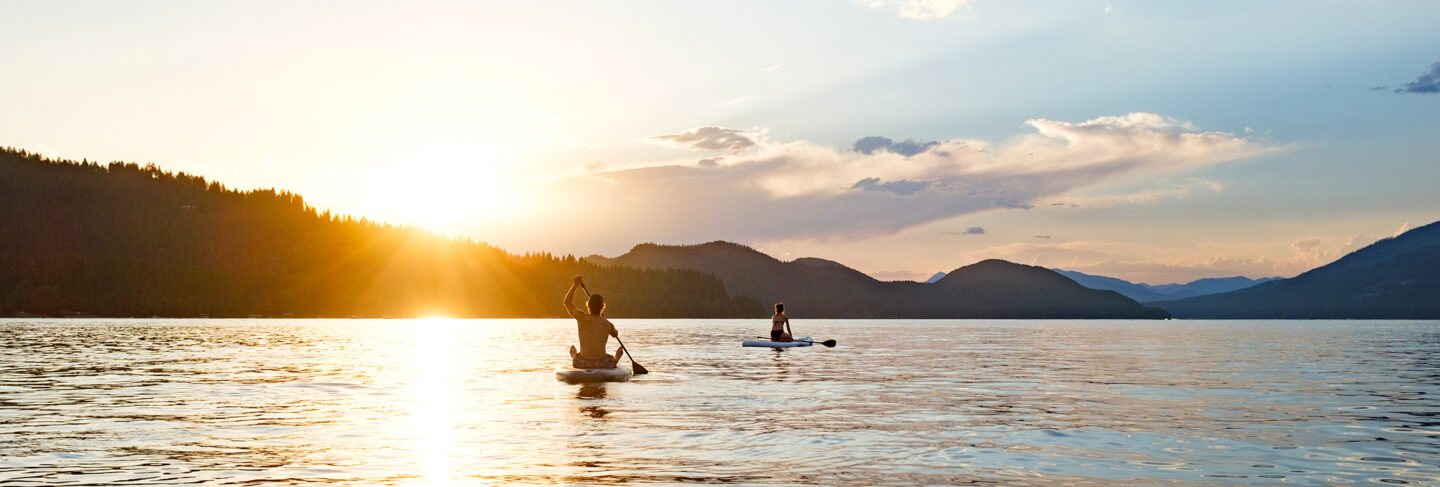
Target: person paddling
x=780 y=325
x=595 y=331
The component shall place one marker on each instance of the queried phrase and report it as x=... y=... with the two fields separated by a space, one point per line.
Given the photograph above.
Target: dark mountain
x=809 y=283
x=1395 y=278
x=129 y=240
x=1212 y=285
x=1146 y=293
x=817 y=288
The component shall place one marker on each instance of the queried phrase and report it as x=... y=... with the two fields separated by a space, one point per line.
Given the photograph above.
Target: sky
x=1156 y=142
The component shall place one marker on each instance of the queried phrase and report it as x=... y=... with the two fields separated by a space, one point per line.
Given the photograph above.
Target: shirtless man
x=594 y=329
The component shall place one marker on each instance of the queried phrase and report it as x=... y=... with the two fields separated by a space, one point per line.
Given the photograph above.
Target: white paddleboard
x=571 y=374
x=799 y=342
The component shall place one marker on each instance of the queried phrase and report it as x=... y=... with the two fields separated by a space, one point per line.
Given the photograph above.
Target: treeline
x=122 y=239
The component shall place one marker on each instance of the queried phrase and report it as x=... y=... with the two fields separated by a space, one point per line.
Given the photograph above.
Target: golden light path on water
x=435 y=406
x=462 y=410
x=458 y=416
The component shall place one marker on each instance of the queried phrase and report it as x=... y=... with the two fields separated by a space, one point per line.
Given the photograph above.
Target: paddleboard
x=799 y=342
x=571 y=374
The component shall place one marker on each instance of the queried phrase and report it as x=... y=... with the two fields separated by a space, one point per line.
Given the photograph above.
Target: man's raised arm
x=570 y=298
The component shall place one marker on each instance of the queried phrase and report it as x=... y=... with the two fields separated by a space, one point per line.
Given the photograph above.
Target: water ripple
x=284 y=402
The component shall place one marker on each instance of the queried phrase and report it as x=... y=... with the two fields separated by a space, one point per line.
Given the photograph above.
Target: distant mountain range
x=1395 y=278
x=1146 y=293
x=818 y=288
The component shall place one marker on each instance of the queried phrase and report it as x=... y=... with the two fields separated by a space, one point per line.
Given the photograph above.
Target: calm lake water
x=474 y=402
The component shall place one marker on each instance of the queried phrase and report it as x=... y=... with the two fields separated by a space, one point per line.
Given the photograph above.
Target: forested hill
x=120 y=239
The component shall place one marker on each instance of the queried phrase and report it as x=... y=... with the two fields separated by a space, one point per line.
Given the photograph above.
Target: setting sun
x=442 y=192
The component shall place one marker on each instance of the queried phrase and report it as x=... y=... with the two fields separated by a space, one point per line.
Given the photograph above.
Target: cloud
x=1306 y=246
x=1314 y=252
x=1178 y=190
x=803 y=190
x=708 y=138
x=1177 y=264
x=1043 y=237
x=1116 y=259
x=920 y=9
x=872 y=144
x=1405 y=227
x=903 y=187
x=966 y=231
x=1427 y=83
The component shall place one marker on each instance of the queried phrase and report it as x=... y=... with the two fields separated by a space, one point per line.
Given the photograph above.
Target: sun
x=443 y=192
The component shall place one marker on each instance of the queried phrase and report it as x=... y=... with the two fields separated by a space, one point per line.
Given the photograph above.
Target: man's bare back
x=593 y=328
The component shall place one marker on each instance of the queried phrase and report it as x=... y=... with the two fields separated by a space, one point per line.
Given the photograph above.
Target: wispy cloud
x=708 y=138
x=803 y=190
x=1178 y=190
x=1118 y=259
x=1427 y=83
x=1405 y=227
x=919 y=9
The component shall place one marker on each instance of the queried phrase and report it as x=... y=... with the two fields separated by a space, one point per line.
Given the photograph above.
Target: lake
x=903 y=402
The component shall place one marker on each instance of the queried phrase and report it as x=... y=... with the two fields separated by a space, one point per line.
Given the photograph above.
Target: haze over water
x=473 y=402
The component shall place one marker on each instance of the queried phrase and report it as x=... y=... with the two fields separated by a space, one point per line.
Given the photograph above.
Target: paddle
x=639 y=369
x=828 y=343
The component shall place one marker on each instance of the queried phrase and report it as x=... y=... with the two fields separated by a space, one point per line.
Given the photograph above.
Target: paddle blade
x=828 y=343
x=639 y=369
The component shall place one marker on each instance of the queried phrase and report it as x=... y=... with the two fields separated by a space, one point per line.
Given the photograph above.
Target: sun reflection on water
x=435 y=411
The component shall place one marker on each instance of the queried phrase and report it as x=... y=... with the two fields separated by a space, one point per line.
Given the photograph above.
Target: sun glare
x=444 y=192
x=436 y=413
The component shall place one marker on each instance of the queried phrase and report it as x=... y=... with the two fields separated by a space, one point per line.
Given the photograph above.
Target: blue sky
x=1152 y=141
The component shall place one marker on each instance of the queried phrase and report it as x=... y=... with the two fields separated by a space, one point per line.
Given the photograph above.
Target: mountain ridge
x=820 y=288
x=1146 y=293
x=1394 y=278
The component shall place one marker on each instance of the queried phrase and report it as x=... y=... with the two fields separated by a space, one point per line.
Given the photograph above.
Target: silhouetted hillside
x=1395 y=278
x=817 y=288
x=1147 y=293
x=126 y=240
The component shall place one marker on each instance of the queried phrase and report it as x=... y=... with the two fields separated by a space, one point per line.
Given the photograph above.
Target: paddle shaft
x=639 y=369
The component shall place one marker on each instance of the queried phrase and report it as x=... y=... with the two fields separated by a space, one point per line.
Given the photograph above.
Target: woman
x=780 y=325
